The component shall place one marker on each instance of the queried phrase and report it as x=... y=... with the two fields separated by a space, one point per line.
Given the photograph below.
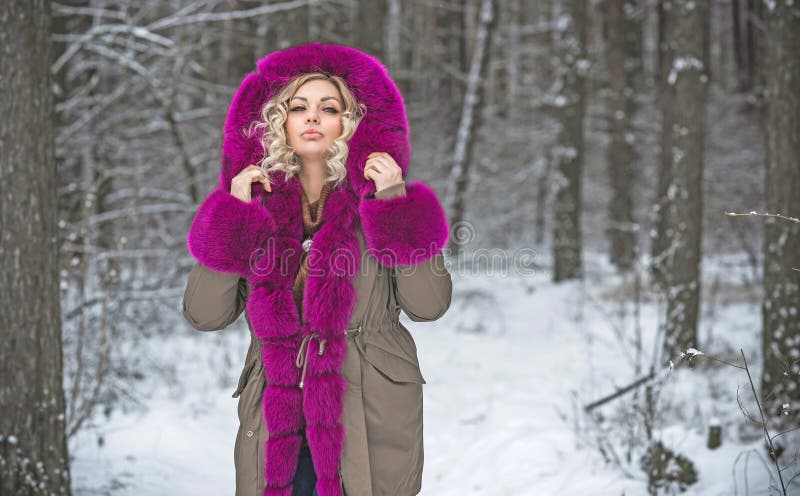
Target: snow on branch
x=756 y=214
x=97 y=31
x=682 y=64
x=179 y=19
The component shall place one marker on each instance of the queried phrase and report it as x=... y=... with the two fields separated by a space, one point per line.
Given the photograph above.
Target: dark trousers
x=305 y=479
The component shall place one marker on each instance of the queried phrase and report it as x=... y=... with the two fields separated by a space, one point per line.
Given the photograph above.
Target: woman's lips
x=311 y=134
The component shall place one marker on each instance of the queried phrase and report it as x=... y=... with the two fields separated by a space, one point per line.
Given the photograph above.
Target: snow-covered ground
x=500 y=398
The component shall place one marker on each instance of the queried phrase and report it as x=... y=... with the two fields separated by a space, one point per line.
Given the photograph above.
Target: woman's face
x=314 y=119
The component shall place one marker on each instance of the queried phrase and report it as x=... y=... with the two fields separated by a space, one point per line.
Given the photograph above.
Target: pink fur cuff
x=405 y=230
x=226 y=232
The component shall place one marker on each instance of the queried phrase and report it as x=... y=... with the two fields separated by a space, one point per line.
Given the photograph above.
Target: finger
x=260 y=178
x=390 y=162
x=371 y=166
x=254 y=173
x=386 y=169
x=386 y=162
x=378 y=164
x=394 y=170
x=379 y=156
x=249 y=173
x=268 y=183
x=385 y=156
x=263 y=179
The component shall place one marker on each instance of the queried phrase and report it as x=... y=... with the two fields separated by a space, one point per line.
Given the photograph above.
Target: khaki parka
x=383 y=449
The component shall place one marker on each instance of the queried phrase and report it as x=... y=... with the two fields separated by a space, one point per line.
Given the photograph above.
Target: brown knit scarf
x=312 y=221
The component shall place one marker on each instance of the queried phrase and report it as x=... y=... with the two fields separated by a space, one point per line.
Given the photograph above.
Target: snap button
x=249 y=433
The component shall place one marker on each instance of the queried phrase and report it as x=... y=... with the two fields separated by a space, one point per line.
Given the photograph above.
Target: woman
x=323 y=244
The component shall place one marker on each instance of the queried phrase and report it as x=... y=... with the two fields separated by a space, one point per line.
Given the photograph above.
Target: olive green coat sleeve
x=423 y=290
x=213 y=300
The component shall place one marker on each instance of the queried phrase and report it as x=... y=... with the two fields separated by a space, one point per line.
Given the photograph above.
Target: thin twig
x=722 y=361
x=764 y=424
x=743 y=409
x=786 y=432
x=756 y=214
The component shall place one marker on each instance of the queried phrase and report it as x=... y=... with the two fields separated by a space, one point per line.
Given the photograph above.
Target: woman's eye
x=300 y=108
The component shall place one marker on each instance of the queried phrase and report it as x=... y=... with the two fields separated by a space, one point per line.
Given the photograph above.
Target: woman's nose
x=311 y=116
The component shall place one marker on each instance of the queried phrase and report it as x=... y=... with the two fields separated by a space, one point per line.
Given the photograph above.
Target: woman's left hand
x=382 y=168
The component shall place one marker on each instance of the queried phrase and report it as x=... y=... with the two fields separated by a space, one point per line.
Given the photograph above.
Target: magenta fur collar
x=261 y=241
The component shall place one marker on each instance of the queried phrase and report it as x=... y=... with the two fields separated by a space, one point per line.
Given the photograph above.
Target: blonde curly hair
x=279 y=155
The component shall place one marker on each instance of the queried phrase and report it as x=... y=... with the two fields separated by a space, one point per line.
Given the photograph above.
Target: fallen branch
x=687 y=355
x=630 y=387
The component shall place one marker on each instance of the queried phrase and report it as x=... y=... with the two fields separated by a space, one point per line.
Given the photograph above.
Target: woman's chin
x=310 y=154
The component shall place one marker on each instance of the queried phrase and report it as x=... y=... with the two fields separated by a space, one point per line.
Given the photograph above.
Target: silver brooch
x=307 y=245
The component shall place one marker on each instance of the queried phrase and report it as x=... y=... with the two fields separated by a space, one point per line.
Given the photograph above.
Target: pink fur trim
x=405 y=230
x=224 y=231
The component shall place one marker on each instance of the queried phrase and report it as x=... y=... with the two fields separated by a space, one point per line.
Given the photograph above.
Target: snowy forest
x=621 y=180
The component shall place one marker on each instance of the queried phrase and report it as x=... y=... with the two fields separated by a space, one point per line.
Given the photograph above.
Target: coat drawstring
x=301 y=360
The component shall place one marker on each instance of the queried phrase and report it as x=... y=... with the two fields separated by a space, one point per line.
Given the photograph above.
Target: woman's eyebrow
x=323 y=99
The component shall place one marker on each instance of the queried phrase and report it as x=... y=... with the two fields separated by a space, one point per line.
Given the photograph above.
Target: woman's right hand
x=241 y=184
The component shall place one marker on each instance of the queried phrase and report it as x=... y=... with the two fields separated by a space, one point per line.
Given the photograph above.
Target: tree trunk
x=513 y=60
x=659 y=241
x=33 y=445
x=424 y=81
x=720 y=48
x=284 y=29
x=452 y=32
x=370 y=27
x=750 y=41
x=781 y=307
x=570 y=106
x=393 y=51
x=623 y=57
x=470 y=113
x=737 y=40
x=687 y=80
